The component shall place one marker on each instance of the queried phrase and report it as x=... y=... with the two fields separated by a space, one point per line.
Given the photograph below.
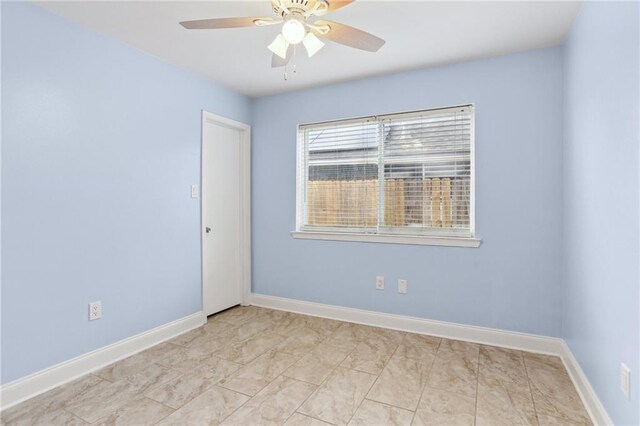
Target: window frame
x=363 y=235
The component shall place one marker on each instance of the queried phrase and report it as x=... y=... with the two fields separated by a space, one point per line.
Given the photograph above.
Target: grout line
x=526 y=371
x=375 y=381
x=173 y=410
x=236 y=410
x=307 y=398
x=326 y=379
x=475 y=408
x=365 y=397
x=386 y=404
x=72 y=414
x=426 y=382
x=311 y=417
x=295 y=378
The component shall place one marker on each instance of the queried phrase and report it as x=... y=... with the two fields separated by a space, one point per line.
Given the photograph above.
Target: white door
x=221 y=216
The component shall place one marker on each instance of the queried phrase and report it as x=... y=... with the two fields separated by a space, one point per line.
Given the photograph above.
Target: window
x=393 y=178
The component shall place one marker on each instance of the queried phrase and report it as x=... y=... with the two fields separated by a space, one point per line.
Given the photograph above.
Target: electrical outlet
x=379 y=282
x=95 y=310
x=625 y=377
x=402 y=286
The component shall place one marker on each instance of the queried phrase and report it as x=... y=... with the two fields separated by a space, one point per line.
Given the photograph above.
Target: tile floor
x=251 y=365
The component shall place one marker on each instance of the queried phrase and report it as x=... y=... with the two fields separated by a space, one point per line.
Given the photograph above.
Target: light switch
x=194 y=191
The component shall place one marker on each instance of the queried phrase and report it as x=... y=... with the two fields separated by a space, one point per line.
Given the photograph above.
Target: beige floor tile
x=552 y=389
x=302 y=341
x=301 y=366
x=275 y=315
x=543 y=363
x=371 y=354
x=393 y=336
x=349 y=333
x=237 y=315
x=251 y=378
x=298 y=419
x=504 y=404
x=48 y=402
x=56 y=417
x=184 y=358
x=247 y=330
x=141 y=411
x=186 y=338
x=373 y=413
x=274 y=404
x=250 y=349
x=124 y=368
x=440 y=407
x=218 y=328
x=504 y=395
x=319 y=363
x=102 y=400
x=494 y=356
x=545 y=420
x=157 y=352
x=455 y=368
x=339 y=397
x=503 y=365
x=401 y=382
x=183 y=389
x=211 y=342
x=418 y=346
x=558 y=398
x=153 y=376
x=288 y=325
x=323 y=325
x=210 y=408
x=458 y=348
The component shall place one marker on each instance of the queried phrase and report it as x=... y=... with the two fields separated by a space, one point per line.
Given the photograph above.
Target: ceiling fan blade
x=208 y=24
x=277 y=61
x=349 y=36
x=337 y=4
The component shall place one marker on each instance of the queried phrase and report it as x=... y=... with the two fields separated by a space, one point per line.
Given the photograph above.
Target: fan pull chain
x=285 y=75
x=293 y=59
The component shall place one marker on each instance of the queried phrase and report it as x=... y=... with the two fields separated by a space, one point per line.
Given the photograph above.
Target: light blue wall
x=512 y=281
x=100 y=144
x=96 y=174
x=601 y=194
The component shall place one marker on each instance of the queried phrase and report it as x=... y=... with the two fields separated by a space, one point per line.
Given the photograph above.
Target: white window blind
x=399 y=174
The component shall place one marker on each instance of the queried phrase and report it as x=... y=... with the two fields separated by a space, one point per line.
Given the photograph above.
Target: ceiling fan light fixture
x=299 y=24
x=279 y=46
x=293 y=31
x=312 y=44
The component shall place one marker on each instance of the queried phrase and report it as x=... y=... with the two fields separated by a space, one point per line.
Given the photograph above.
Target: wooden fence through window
x=428 y=202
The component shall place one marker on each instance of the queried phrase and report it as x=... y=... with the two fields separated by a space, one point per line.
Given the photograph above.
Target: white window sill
x=388 y=239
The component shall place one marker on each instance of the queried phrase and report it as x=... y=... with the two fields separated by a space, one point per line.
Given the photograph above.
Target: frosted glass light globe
x=293 y=31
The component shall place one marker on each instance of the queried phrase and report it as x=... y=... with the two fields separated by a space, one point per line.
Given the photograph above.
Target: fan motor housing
x=283 y=8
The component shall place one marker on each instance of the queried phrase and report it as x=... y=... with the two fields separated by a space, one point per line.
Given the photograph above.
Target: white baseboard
x=27 y=387
x=42 y=381
x=469 y=333
x=482 y=335
x=589 y=397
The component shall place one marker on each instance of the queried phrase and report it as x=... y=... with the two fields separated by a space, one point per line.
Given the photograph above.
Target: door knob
x=207 y=230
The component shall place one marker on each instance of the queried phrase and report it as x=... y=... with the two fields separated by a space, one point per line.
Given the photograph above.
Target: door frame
x=245 y=201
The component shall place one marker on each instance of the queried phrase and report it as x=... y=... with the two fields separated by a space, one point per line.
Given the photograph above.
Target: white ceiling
x=418 y=34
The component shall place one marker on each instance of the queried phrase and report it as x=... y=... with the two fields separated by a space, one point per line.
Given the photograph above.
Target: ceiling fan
x=299 y=25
